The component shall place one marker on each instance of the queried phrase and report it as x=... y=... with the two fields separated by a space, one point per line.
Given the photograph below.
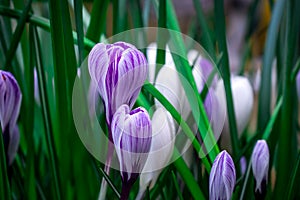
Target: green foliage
x=53 y=163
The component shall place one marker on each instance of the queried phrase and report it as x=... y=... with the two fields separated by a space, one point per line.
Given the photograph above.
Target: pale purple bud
x=131 y=134
x=222 y=177
x=243 y=163
x=119 y=70
x=260 y=164
x=10 y=102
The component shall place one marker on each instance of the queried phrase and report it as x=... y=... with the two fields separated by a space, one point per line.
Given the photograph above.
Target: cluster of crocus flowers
x=10 y=102
x=119 y=71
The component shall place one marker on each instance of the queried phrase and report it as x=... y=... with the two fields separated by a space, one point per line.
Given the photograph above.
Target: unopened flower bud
x=260 y=165
x=222 y=177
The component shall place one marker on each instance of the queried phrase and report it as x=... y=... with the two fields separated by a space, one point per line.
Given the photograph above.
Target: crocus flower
x=260 y=164
x=202 y=71
x=168 y=82
x=243 y=100
x=119 y=70
x=163 y=139
x=10 y=101
x=222 y=177
x=131 y=133
x=151 y=57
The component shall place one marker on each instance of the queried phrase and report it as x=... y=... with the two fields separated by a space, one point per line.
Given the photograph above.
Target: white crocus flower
x=163 y=139
x=151 y=57
x=243 y=100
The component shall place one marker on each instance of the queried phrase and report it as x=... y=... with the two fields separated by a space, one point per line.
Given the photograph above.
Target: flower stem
x=125 y=191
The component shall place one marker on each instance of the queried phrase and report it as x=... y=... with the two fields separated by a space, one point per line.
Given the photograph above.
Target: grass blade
x=41 y=23
x=295 y=180
x=225 y=73
x=27 y=117
x=188 y=178
x=272 y=120
x=17 y=35
x=47 y=119
x=264 y=99
x=285 y=147
x=64 y=75
x=177 y=45
x=207 y=40
x=79 y=28
x=161 y=38
x=152 y=90
x=98 y=14
x=176 y=186
x=4 y=185
x=107 y=178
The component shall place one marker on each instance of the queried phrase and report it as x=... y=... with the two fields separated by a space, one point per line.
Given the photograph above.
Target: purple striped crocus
x=119 y=70
x=131 y=134
x=222 y=177
x=260 y=165
x=10 y=102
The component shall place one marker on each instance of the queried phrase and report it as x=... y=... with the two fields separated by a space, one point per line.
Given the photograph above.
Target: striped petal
x=222 y=177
